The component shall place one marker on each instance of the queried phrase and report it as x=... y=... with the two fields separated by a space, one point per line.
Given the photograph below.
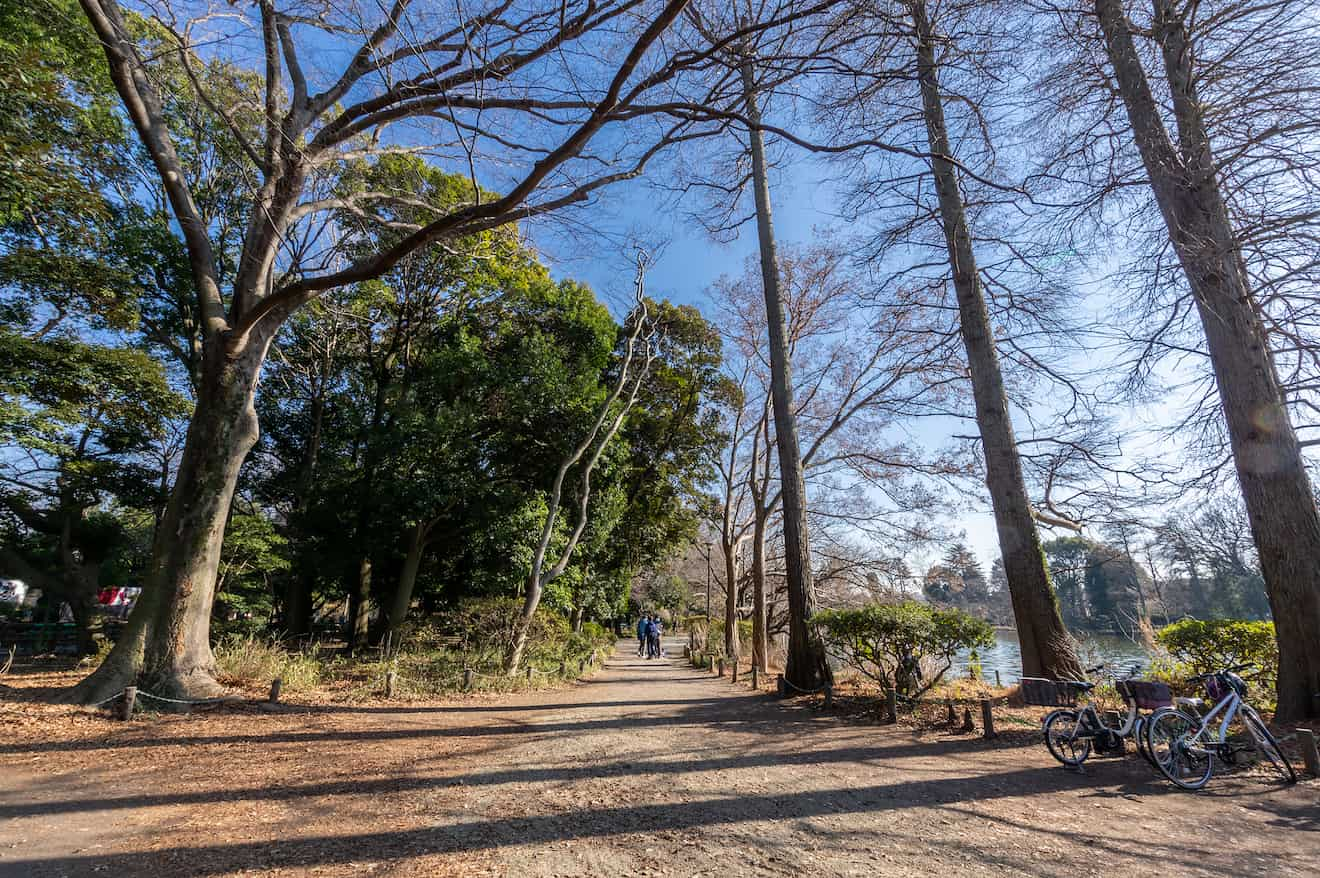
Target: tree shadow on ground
x=860 y=755
x=598 y=823
x=743 y=712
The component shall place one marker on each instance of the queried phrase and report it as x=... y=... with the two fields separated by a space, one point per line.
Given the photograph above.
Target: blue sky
x=691 y=261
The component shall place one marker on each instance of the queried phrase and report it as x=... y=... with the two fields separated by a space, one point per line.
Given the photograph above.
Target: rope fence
x=128 y=695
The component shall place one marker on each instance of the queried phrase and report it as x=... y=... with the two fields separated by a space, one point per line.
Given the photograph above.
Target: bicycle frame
x=1230 y=704
x=1088 y=713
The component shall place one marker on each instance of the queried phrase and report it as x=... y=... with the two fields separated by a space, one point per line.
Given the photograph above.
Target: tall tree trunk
x=760 y=650
x=166 y=644
x=732 y=645
x=531 y=600
x=412 y=562
x=731 y=601
x=1277 y=493
x=807 y=667
x=83 y=607
x=177 y=660
x=359 y=607
x=1047 y=649
x=298 y=603
x=576 y=616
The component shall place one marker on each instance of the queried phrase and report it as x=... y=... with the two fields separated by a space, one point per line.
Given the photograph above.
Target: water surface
x=1006 y=655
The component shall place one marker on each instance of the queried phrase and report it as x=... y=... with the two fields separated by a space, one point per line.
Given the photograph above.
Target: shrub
x=890 y=642
x=1200 y=647
x=715 y=642
x=249 y=661
x=484 y=628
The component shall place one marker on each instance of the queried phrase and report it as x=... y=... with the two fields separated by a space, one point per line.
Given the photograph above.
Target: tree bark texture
x=806 y=667
x=177 y=659
x=1047 y=648
x=1271 y=474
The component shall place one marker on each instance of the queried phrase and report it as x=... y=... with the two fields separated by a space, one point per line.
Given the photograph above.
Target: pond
x=1006 y=656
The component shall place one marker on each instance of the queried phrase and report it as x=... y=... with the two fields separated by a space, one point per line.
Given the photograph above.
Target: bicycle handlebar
x=1229 y=670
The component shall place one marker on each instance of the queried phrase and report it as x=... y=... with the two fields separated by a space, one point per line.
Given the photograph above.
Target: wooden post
x=756 y=677
x=126 y=706
x=735 y=672
x=467 y=679
x=967 y=720
x=1306 y=740
x=780 y=686
x=952 y=716
x=829 y=697
x=721 y=667
x=563 y=667
x=582 y=666
x=987 y=718
x=891 y=705
x=687 y=651
x=275 y=686
x=389 y=683
x=998 y=685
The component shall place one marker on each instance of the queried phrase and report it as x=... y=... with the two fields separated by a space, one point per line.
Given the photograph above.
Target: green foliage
x=891 y=643
x=58 y=107
x=1199 y=647
x=715 y=640
x=455 y=389
x=484 y=628
x=254 y=553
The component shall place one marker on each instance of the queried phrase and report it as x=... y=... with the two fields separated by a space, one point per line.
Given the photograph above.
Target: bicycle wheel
x=1266 y=744
x=1139 y=735
x=1169 y=736
x=1063 y=740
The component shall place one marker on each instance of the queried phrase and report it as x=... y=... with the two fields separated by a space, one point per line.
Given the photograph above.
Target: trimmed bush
x=890 y=643
x=1199 y=647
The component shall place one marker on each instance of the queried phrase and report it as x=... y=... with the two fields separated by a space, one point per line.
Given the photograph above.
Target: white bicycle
x=1185 y=747
x=1076 y=730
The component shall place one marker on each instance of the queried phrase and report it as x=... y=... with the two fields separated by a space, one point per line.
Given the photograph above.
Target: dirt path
x=648 y=768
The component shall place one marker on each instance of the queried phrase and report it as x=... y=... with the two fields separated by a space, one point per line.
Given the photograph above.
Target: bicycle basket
x=1051 y=693
x=1148 y=694
x=1217 y=688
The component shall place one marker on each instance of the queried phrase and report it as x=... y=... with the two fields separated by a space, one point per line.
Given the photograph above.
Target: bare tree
x=899 y=47
x=1184 y=177
x=848 y=397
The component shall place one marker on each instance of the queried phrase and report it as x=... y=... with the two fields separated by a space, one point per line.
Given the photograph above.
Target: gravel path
x=647 y=768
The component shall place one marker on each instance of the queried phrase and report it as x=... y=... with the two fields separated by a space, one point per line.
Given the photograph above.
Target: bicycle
x=1071 y=734
x=1183 y=747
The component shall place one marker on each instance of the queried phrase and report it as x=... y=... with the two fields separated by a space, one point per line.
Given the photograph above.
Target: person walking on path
x=653 y=637
x=642 y=625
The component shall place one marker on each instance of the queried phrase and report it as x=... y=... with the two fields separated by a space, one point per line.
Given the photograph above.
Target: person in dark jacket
x=642 y=625
x=653 y=631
